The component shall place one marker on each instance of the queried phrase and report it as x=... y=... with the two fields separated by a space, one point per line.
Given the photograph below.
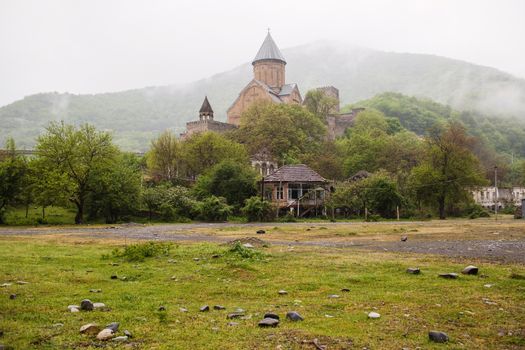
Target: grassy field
x=61 y=271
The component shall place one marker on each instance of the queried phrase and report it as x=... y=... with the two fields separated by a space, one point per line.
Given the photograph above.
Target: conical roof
x=206 y=107
x=269 y=51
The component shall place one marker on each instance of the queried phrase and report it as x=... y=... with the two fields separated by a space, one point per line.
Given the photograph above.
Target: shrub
x=214 y=209
x=373 y=218
x=245 y=253
x=141 y=251
x=288 y=218
x=475 y=211
x=257 y=209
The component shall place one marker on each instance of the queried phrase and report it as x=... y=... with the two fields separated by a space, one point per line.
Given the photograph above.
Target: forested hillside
x=136 y=116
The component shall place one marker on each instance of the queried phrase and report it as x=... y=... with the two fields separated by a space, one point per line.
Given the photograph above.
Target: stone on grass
x=487 y=285
x=470 y=270
x=12 y=296
x=438 y=337
x=451 y=275
x=233 y=324
x=234 y=315
x=22 y=282
x=268 y=322
x=283 y=292
x=99 y=305
x=86 y=305
x=181 y=309
x=90 y=328
x=373 y=315
x=113 y=277
x=105 y=334
x=239 y=310
x=204 y=308
x=162 y=308
x=120 y=338
x=271 y=315
x=404 y=238
x=261 y=232
x=128 y=334
x=95 y=290
x=219 y=307
x=414 y=270
x=345 y=290
x=74 y=309
x=113 y=326
x=6 y=284
x=294 y=316
x=333 y=296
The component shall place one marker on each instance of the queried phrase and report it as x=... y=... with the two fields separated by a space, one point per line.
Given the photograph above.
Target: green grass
x=62 y=272
x=53 y=216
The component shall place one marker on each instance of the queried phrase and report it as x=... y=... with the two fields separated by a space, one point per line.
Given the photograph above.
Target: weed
x=139 y=252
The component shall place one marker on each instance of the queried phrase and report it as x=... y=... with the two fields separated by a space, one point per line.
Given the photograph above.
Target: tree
x=13 y=170
x=258 y=209
x=449 y=169
x=48 y=185
x=204 y=150
x=286 y=131
x=234 y=181
x=79 y=153
x=214 y=209
x=319 y=103
x=164 y=157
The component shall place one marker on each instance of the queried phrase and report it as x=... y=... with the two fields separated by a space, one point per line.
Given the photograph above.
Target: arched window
x=272 y=169
x=264 y=173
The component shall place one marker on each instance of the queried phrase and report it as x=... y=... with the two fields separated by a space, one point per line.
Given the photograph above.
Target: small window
x=294 y=191
x=279 y=193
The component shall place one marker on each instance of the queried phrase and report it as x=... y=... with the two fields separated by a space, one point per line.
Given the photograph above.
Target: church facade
x=268 y=84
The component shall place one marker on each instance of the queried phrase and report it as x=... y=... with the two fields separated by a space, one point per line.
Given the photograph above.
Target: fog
x=101 y=46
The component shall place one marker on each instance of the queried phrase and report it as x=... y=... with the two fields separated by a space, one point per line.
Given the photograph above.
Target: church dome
x=269 y=51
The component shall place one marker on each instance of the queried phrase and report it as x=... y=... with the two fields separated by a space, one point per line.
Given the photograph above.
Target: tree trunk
x=441 y=201
x=27 y=210
x=43 y=212
x=79 y=217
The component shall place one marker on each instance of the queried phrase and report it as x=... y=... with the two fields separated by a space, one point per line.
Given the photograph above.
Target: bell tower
x=269 y=64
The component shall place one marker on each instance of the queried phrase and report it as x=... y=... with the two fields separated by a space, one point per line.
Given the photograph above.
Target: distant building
x=205 y=122
x=263 y=162
x=488 y=196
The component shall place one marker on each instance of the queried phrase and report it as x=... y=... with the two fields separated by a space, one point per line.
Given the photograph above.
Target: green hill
x=137 y=115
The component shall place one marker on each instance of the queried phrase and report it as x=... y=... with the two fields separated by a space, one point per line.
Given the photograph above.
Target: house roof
x=287 y=89
x=294 y=173
x=206 y=107
x=269 y=51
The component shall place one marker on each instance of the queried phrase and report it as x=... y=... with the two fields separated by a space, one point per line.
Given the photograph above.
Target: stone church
x=268 y=84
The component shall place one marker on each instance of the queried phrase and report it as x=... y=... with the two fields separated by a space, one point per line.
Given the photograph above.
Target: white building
x=487 y=196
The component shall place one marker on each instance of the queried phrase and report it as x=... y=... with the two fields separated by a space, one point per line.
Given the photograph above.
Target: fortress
x=268 y=84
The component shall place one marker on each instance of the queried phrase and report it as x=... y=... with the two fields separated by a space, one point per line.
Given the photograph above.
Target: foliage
x=79 y=153
x=257 y=209
x=284 y=130
x=165 y=157
x=214 y=209
x=319 y=103
x=203 y=150
x=238 y=250
x=448 y=170
x=141 y=251
x=234 y=181
x=13 y=170
x=172 y=203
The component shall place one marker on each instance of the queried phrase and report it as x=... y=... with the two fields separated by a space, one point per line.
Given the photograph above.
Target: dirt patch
x=295 y=339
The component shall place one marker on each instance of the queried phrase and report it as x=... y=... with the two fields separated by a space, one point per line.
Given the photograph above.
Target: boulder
x=105 y=334
x=404 y=238
x=122 y=338
x=204 y=308
x=414 y=270
x=113 y=326
x=271 y=315
x=438 y=337
x=374 y=315
x=268 y=322
x=261 y=232
x=99 y=305
x=234 y=315
x=470 y=270
x=450 y=275
x=86 y=305
x=219 y=307
x=128 y=334
x=283 y=292
x=294 y=316
x=12 y=296
x=90 y=328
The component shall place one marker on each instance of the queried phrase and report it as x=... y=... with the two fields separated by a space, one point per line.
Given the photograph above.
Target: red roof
x=294 y=173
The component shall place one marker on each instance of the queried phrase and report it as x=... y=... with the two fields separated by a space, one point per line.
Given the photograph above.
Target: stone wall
x=270 y=72
x=251 y=93
x=199 y=126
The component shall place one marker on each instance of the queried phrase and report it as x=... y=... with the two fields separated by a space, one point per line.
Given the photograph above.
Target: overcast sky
x=97 y=46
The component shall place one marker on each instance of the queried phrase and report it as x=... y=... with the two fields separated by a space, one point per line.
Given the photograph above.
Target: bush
x=257 y=209
x=214 y=209
x=373 y=218
x=288 y=218
x=245 y=253
x=475 y=211
x=139 y=252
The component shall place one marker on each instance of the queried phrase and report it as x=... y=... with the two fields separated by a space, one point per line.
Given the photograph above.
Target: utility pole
x=496 y=192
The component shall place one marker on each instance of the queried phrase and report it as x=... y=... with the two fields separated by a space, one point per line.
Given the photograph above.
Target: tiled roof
x=206 y=107
x=294 y=173
x=287 y=89
x=269 y=51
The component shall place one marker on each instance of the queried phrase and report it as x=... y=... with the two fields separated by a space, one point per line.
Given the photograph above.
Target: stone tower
x=269 y=64
x=206 y=112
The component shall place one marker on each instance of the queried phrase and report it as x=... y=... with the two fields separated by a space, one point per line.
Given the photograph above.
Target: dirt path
x=502 y=250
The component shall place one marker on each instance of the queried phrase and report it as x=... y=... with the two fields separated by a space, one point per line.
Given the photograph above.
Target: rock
x=247 y=245
x=438 y=337
x=239 y=310
x=174 y=277
x=99 y=305
x=488 y=285
x=113 y=277
x=86 y=305
x=6 y=284
x=373 y=315
x=113 y=326
x=69 y=307
x=233 y=324
x=333 y=296
x=271 y=315
x=90 y=328
x=181 y=309
x=268 y=322
x=404 y=238
x=414 y=270
x=261 y=232
x=120 y=339
x=470 y=270
x=171 y=261
x=105 y=334
x=345 y=290
x=58 y=325
x=74 y=309
x=450 y=275
x=294 y=316
x=22 y=282
x=128 y=334
x=215 y=256
x=95 y=290
x=162 y=308
x=196 y=259
x=219 y=307
x=12 y=296
x=234 y=315
x=114 y=264
x=204 y=308
x=283 y=292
